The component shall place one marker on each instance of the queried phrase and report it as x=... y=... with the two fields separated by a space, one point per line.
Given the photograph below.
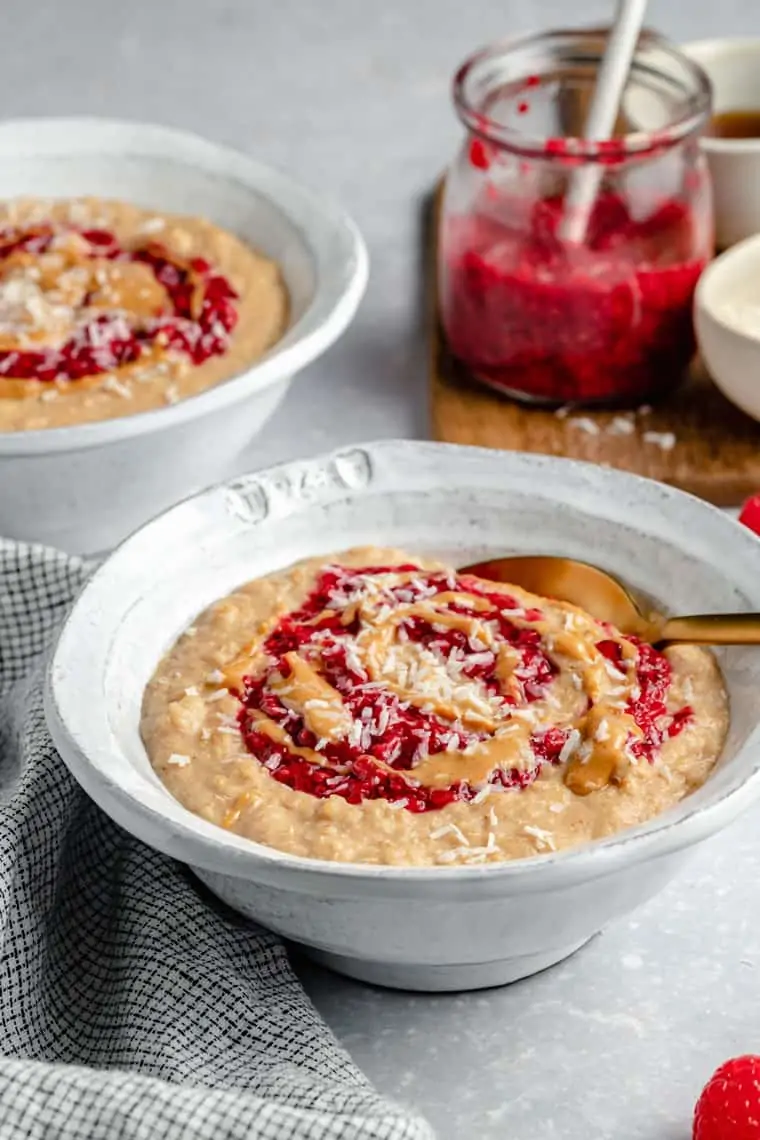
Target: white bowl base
x=443 y=979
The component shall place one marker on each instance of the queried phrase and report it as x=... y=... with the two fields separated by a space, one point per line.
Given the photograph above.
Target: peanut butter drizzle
x=193 y=277
x=242 y=666
x=260 y=722
x=128 y=285
x=608 y=761
x=507 y=660
x=506 y=749
x=472 y=626
x=249 y=661
x=605 y=729
x=456 y=597
x=320 y=705
x=569 y=644
x=373 y=644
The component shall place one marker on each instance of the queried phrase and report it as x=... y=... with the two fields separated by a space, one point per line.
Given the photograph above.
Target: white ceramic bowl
x=84 y=488
x=416 y=928
x=733 y=67
x=727 y=323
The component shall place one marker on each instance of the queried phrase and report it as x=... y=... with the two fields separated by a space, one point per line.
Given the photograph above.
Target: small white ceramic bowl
x=417 y=928
x=83 y=488
x=727 y=323
x=733 y=67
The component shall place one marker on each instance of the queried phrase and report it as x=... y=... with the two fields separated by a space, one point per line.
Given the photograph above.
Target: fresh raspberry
x=750 y=513
x=729 y=1107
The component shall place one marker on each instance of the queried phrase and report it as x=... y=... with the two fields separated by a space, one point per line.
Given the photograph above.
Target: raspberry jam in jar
x=525 y=309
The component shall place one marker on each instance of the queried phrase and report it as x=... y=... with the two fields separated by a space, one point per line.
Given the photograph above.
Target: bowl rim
x=331 y=236
x=198 y=842
x=636 y=143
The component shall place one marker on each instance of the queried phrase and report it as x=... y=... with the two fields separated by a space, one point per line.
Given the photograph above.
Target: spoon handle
x=713 y=629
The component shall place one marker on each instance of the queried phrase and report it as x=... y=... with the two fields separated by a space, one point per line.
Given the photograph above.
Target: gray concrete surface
x=353 y=97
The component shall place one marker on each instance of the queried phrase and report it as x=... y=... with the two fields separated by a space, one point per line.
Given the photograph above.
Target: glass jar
x=604 y=319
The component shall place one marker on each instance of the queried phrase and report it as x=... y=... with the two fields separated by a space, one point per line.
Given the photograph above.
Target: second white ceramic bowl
x=417 y=928
x=84 y=488
x=727 y=323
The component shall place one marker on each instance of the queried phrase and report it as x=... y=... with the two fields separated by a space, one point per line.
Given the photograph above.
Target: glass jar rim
x=577 y=149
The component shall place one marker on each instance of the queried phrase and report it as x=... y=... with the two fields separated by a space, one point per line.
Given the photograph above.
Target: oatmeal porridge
x=375 y=707
x=107 y=310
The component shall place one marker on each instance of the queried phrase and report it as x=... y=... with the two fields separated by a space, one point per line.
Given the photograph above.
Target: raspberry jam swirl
x=532 y=316
x=423 y=687
x=76 y=304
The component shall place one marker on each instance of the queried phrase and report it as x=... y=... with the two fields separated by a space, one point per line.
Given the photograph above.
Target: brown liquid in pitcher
x=736 y=125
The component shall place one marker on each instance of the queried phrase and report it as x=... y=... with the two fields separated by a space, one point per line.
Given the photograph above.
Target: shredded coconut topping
x=544 y=839
x=178 y=760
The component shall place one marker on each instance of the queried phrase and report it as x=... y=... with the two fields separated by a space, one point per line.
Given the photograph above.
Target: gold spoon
x=608 y=600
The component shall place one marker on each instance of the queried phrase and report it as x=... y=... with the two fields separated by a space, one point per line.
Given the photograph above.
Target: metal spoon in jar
x=608 y=600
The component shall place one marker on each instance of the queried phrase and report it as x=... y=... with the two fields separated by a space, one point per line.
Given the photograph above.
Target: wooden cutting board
x=695 y=439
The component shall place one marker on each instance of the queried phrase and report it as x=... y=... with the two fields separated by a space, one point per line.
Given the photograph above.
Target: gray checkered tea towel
x=133 y=1006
